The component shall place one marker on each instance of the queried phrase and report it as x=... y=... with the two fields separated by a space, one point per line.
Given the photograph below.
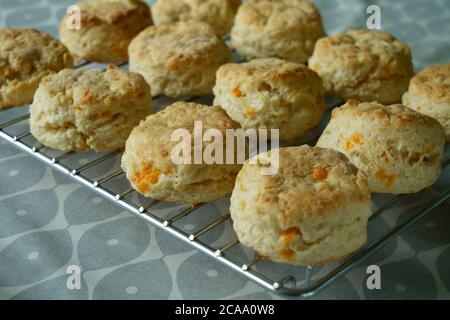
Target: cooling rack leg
x=220 y=252
x=247 y=266
x=39 y=146
x=308 y=276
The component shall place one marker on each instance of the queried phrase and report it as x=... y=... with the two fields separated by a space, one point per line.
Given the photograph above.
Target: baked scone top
x=432 y=83
x=392 y=116
x=173 y=43
x=269 y=70
x=26 y=53
x=90 y=86
x=278 y=17
x=217 y=13
x=152 y=139
x=111 y=11
x=314 y=179
x=377 y=52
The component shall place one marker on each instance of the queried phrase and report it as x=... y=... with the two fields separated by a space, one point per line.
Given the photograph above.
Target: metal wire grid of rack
x=298 y=281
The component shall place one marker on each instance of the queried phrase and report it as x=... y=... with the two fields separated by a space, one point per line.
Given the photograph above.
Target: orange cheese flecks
x=237 y=92
x=386 y=71
x=250 y=112
x=170 y=170
x=319 y=174
x=105 y=114
x=81 y=144
x=87 y=99
x=265 y=87
x=287 y=254
x=146 y=177
x=289 y=235
x=363 y=81
x=142 y=186
x=357 y=138
x=414 y=158
x=348 y=145
x=174 y=68
x=388 y=179
x=385 y=156
x=430 y=149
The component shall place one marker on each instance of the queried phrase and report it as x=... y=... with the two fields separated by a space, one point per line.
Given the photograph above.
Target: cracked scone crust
x=179 y=59
x=79 y=110
x=286 y=29
x=399 y=149
x=429 y=93
x=366 y=65
x=313 y=211
x=107 y=28
x=219 y=14
x=26 y=56
x=271 y=94
x=148 y=164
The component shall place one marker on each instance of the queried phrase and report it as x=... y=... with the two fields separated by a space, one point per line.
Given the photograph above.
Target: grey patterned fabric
x=48 y=222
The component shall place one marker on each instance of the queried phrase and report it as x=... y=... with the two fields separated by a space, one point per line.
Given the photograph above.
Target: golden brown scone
x=271 y=94
x=219 y=14
x=429 y=93
x=399 y=149
x=148 y=162
x=26 y=56
x=79 y=110
x=179 y=59
x=366 y=65
x=107 y=28
x=313 y=211
x=286 y=29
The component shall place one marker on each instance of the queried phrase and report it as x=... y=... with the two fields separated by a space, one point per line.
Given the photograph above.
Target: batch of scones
x=315 y=208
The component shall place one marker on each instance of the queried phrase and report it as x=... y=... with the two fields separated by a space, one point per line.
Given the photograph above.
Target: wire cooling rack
x=101 y=173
